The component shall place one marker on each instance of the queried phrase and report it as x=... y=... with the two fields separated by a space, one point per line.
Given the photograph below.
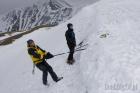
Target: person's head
x=30 y=43
x=70 y=26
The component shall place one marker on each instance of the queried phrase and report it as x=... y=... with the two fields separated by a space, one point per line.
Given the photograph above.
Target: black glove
x=48 y=56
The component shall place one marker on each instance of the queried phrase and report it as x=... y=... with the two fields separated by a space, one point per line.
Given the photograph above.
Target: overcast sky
x=7 y=5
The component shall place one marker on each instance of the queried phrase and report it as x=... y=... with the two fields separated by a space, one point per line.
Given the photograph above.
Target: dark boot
x=70 y=57
x=59 y=78
x=70 y=62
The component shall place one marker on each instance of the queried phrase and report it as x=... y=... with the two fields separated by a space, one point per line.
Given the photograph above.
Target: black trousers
x=71 y=48
x=45 y=68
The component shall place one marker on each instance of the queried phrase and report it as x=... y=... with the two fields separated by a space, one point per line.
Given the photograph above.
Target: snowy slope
x=78 y=4
x=112 y=63
x=107 y=61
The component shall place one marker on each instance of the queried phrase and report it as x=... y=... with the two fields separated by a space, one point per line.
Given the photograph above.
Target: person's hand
x=45 y=53
x=50 y=55
x=41 y=56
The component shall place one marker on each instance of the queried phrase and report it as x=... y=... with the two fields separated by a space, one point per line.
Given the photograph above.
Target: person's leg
x=70 y=57
x=43 y=68
x=52 y=73
x=44 y=77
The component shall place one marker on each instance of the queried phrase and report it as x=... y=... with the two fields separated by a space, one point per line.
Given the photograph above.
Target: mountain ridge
x=44 y=13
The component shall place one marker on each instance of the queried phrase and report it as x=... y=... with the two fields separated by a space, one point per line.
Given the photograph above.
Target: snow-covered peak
x=48 y=13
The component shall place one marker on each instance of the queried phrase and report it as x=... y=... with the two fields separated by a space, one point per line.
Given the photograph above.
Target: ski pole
x=69 y=52
x=77 y=49
x=60 y=54
x=81 y=46
x=33 y=71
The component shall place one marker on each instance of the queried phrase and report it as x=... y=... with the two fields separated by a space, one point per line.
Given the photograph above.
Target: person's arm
x=69 y=36
x=74 y=39
x=33 y=53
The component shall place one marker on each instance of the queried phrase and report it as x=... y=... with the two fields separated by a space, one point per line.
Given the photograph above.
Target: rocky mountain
x=49 y=13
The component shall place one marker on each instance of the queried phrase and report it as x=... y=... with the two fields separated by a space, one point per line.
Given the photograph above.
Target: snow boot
x=59 y=78
x=46 y=84
x=70 y=62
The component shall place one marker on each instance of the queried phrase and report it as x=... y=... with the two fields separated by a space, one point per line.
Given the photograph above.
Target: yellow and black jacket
x=36 y=52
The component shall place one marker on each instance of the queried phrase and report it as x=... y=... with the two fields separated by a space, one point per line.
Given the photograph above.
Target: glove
x=49 y=55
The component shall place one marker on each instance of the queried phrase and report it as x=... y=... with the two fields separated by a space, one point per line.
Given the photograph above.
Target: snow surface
x=107 y=61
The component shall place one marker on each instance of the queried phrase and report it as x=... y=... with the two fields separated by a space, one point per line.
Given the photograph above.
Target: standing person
x=71 y=42
x=38 y=56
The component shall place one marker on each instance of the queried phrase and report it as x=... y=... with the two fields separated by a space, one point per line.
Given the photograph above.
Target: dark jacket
x=70 y=37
